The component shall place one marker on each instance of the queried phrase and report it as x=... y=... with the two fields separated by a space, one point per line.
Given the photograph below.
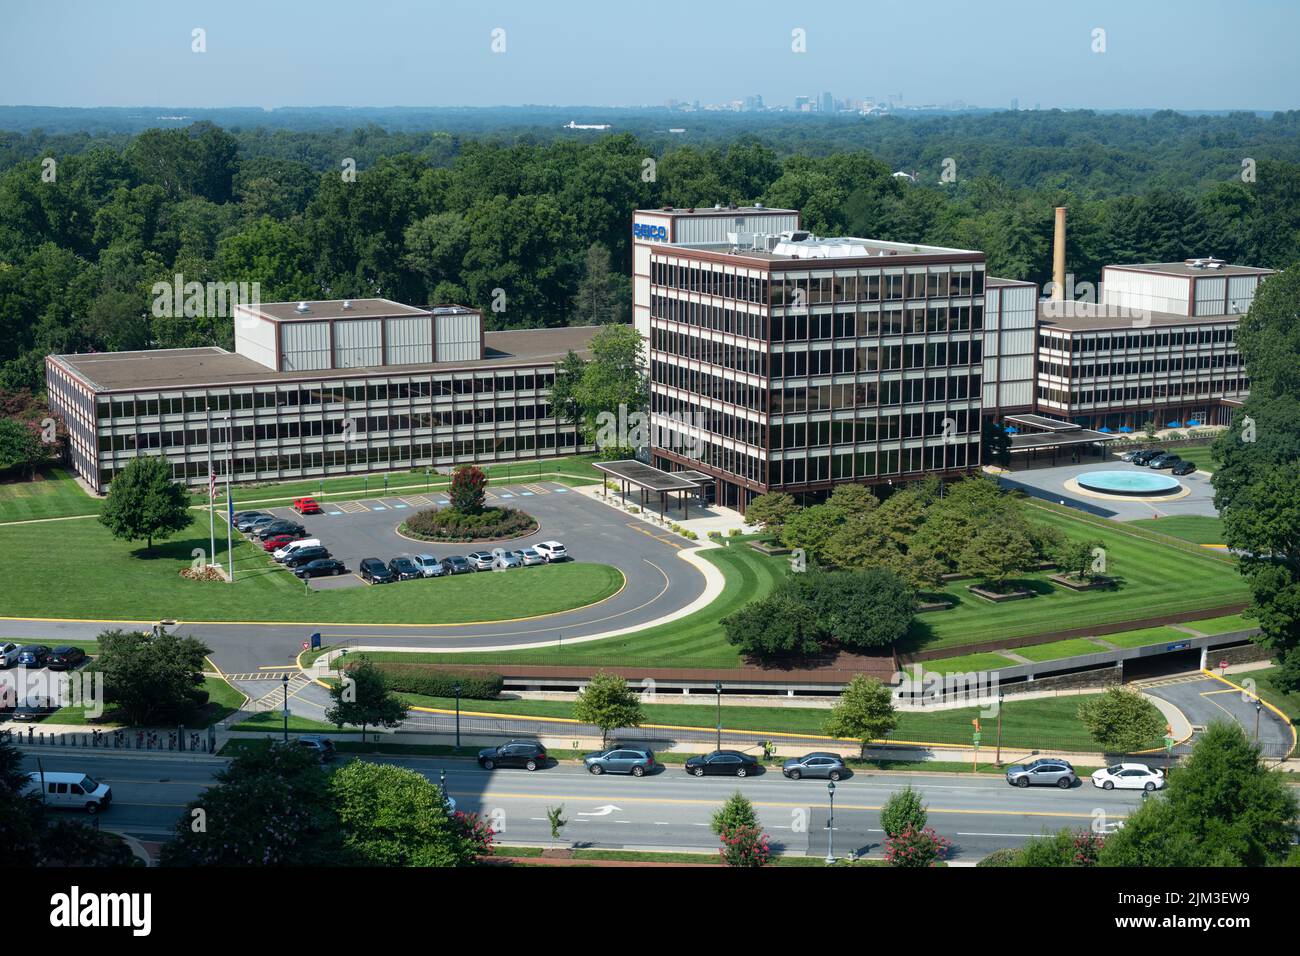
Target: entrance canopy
x=649 y=478
x=1041 y=423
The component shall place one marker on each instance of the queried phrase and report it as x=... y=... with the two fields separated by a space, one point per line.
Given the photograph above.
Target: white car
x=1128 y=776
x=529 y=557
x=552 y=551
x=8 y=654
x=429 y=566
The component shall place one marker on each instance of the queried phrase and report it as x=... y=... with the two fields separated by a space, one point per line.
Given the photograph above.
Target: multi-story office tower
x=317 y=389
x=787 y=362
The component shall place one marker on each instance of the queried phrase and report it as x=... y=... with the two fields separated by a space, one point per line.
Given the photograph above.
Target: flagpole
x=230 y=506
x=212 y=502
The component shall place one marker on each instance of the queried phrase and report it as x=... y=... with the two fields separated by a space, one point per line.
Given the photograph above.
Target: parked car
x=505 y=560
x=515 y=753
x=1133 y=453
x=374 y=571
x=430 y=566
x=732 y=763
x=33 y=655
x=306 y=556
x=252 y=525
x=9 y=654
x=321 y=745
x=638 y=761
x=34 y=709
x=1146 y=454
x=65 y=658
x=289 y=548
x=1128 y=776
x=1163 y=461
x=279 y=527
x=245 y=520
x=480 y=560
x=529 y=556
x=405 y=568
x=320 y=567
x=826 y=765
x=1043 y=771
x=552 y=551
x=1184 y=468
x=71 y=791
x=277 y=542
x=306 y=506
x=455 y=564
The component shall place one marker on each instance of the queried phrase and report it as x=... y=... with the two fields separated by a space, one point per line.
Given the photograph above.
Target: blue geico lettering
x=643 y=231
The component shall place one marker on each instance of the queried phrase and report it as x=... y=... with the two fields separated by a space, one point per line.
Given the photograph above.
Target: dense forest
x=89 y=221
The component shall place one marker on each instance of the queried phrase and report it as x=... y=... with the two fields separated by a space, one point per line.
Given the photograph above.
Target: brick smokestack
x=1058 y=255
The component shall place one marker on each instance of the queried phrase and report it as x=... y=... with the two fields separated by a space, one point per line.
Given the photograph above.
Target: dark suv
x=279 y=527
x=517 y=753
x=1167 y=460
x=374 y=571
x=456 y=564
x=65 y=658
x=305 y=555
x=405 y=569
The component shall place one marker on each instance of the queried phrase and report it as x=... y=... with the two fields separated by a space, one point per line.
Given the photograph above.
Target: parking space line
x=506 y=494
x=417 y=501
x=352 y=507
x=537 y=489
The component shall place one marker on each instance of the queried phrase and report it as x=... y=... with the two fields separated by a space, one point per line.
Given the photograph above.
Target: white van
x=283 y=554
x=73 y=791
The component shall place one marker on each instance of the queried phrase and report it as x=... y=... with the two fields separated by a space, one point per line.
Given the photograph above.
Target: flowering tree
x=916 y=847
x=745 y=845
x=468 y=488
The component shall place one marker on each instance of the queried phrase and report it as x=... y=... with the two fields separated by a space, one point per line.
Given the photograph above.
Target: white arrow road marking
x=604 y=811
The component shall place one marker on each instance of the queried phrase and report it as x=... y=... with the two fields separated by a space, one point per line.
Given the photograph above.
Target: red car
x=277 y=541
x=306 y=506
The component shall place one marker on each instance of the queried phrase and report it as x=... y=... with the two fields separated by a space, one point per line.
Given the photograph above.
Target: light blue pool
x=1135 y=483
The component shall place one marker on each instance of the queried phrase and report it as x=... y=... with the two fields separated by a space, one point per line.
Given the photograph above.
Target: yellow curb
x=1285 y=719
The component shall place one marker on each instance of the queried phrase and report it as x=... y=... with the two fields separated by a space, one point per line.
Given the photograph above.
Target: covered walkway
x=649 y=480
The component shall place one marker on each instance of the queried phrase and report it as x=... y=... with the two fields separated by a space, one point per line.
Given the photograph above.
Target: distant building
x=828 y=103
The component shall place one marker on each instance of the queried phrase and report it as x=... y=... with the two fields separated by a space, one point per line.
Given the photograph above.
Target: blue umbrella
x=1193 y=423
x=1013 y=431
x=1103 y=428
x=1174 y=425
x=1126 y=428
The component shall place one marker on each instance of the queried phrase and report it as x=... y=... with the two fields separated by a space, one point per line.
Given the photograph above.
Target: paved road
x=1049 y=483
x=1204 y=700
x=664 y=811
x=658 y=581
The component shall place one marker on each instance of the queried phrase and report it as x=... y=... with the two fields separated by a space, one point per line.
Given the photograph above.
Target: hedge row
x=428 y=680
x=448 y=524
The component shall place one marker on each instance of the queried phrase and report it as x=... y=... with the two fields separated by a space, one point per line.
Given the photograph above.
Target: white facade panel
x=1019 y=307
x=992 y=302
x=1241 y=293
x=1018 y=342
x=1017 y=368
x=255 y=338
x=698 y=229
x=407 y=341
x=306 y=345
x=458 y=337
x=357 y=343
x=1148 y=291
x=990 y=394
x=1210 y=292
x=1017 y=393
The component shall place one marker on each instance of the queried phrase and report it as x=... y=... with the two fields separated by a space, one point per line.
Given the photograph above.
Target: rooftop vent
x=347 y=304
x=302 y=307
x=1208 y=262
x=717 y=205
x=758 y=205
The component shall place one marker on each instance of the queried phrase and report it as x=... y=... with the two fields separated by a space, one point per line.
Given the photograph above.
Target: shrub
x=745 y=846
x=715 y=534
x=902 y=810
x=448 y=524
x=1004 y=857
x=690 y=536
x=468 y=488
x=736 y=812
x=916 y=847
x=733 y=532
x=430 y=682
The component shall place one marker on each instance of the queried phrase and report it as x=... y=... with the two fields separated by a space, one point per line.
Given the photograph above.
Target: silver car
x=827 y=765
x=529 y=557
x=1043 y=771
x=505 y=561
x=480 y=560
x=429 y=566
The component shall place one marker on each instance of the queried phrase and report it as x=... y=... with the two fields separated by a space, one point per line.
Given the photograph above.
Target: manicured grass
x=54 y=494
x=1145 y=636
x=1153 y=579
x=693 y=641
x=1198 y=529
x=265 y=721
x=1043 y=723
x=1059 y=649
x=223 y=700
x=1224 y=625
x=969 y=662
x=103 y=578
x=1288 y=703
x=1197 y=454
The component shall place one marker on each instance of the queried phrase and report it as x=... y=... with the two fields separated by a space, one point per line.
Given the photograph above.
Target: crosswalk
x=1167 y=681
x=275 y=698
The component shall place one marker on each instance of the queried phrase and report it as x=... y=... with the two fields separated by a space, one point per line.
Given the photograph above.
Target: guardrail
x=156 y=741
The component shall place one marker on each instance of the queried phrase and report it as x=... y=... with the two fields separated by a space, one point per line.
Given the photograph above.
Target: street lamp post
x=830 y=825
x=717 y=687
x=1258 y=707
x=285 y=679
x=998 y=758
x=457 y=690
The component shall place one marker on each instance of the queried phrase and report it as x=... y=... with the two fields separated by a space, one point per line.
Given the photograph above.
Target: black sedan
x=517 y=753
x=374 y=571
x=730 y=763
x=306 y=556
x=65 y=658
x=262 y=532
x=405 y=569
x=320 y=567
x=1184 y=468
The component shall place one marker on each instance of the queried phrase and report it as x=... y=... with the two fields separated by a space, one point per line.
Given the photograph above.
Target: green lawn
x=223 y=700
x=115 y=580
x=693 y=641
x=1058 y=649
x=55 y=494
x=1224 y=625
x=1145 y=636
x=1288 y=703
x=1198 y=529
x=1197 y=454
x=968 y=662
x=1047 y=723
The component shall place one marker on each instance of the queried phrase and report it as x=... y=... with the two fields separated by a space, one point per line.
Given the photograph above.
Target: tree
x=392 y=816
x=152 y=680
x=555 y=817
x=362 y=699
x=1121 y=720
x=916 y=847
x=771 y=511
x=144 y=502
x=745 y=846
x=997 y=553
x=613 y=381
x=779 y=625
x=1064 y=848
x=995 y=444
x=903 y=809
x=608 y=703
x=1221 y=808
x=808 y=529
x=864 y=712
x=858 y=609
x=603 y=296
x=21 y=445
x=564 y=389
x=270 y=806
x=1076 y=557
x=468 y=489
x=737 y=811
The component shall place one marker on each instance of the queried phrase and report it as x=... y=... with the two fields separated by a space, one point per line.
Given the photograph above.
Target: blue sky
x=1180 y=54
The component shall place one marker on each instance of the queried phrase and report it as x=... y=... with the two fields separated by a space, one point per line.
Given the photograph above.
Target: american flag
x=212 y=486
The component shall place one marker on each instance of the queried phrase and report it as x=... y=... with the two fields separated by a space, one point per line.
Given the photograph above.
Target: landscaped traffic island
x=447 y=524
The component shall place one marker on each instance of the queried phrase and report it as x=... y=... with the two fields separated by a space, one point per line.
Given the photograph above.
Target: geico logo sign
x=645 y=231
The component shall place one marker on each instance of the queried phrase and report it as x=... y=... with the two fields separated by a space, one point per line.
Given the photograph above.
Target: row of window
x=875 y=322
x=723 y=354
x=715 y=282
x=871 y=285
x=1135 y=340
x=1143 y=366
x=705 y=315
x=1137 y=393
